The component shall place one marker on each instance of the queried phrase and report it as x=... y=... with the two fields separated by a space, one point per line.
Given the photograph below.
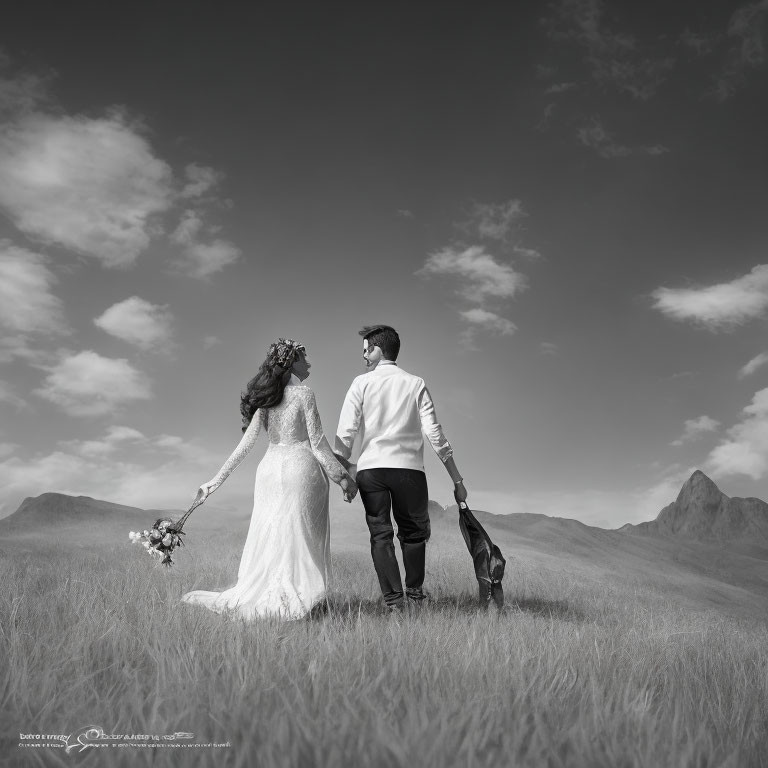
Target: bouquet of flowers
x=163 y=538
x=160 y=541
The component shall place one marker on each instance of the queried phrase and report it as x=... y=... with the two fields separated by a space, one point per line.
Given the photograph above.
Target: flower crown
x=284 y=352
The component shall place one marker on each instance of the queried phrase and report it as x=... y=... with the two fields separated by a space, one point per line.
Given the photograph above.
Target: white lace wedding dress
x=286 y=558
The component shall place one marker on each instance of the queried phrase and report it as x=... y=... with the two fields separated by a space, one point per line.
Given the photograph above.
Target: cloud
x=200 y=259
x=117 y=437
x=210 y=341
x=745 y=450
x=594 y=135
x=561 y=87
x=484 y=281
x=695 y=428
x=490 y=321
x=22 y=94
x=638 y=78
x=616 y=60
x=27 y=304
x=495 y=221
x=188 y=229
x=480 y=275
x=747 y=49
x=87 y=384
x=123 y=466
x=7 y=395
x=531 y=254
x=479 y=319
x=91 y=185
x=199 y=180
x=720 y=306
x=546 y=117
x=94 y=185
x=753 y=365
x=138 y=322
x=582 y=21
x=745 y=28
x=548 y=348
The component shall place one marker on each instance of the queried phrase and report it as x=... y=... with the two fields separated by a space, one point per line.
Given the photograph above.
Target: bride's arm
x=320 y=446
x=243 y=448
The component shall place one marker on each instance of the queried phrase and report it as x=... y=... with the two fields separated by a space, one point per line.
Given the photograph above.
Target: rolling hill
x=704 y=550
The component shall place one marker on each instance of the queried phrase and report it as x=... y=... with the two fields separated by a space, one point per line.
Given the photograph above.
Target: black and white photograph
x=384 y=384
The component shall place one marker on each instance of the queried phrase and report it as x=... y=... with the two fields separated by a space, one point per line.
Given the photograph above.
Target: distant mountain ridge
x=702 y=511
x=59 y=510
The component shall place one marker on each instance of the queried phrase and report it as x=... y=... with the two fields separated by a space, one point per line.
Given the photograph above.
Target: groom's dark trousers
x=404 y=492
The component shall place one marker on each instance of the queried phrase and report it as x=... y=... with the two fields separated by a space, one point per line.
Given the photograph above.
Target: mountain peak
x=702 y=510
x=699 y=489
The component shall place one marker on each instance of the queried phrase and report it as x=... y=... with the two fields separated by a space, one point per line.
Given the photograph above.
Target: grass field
x=573 y=673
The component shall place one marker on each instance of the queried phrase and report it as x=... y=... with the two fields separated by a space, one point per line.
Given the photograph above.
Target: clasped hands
x=349 y=488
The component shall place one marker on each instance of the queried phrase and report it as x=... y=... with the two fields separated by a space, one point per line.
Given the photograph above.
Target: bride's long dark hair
x=267 y=387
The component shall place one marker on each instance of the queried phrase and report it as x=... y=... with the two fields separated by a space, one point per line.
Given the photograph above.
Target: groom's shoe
x=397 y=608
x=415 y=595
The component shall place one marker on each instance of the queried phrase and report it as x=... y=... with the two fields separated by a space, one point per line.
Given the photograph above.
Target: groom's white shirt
x=389 y=409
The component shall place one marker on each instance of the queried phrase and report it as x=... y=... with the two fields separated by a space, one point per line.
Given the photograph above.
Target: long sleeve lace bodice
x=247 y=442
x=317 y=439
x=295 y=420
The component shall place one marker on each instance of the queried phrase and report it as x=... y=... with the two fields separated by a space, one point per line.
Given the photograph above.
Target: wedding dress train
x=285 y=563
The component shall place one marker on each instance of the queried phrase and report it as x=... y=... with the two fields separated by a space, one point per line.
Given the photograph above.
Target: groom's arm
x=439 y=442
x=349 y=423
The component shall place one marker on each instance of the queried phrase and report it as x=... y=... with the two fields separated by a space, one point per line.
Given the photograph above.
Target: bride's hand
x=205 y=490
x=349 y=487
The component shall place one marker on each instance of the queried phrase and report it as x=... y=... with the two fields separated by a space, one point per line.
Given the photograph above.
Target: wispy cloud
x=498 y=222
x=490 y=321
x=640 y=79
x=745 y=450
x=694 y=428
x=27 y=303
x=747 y=48
x=198 y=258
x=548 y=348
x=480 y=275
x=199 y=179
x=88 y=384
x=486 y=282
x=720 y=306
x=546 y=117
x=123 y=465
x=616 y=60
x=139 y=322
x=753 y=365
x=594 y=135
x=561 y=87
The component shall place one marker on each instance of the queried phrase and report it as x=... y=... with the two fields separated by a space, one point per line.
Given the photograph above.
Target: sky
x=559 y=206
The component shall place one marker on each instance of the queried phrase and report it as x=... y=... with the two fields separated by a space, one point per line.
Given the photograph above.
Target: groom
x=390 y=409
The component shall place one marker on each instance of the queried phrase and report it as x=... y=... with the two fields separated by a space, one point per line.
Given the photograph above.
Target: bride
x=286 y=559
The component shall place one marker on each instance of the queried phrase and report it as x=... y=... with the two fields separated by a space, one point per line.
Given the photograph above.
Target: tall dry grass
x=572 y=674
